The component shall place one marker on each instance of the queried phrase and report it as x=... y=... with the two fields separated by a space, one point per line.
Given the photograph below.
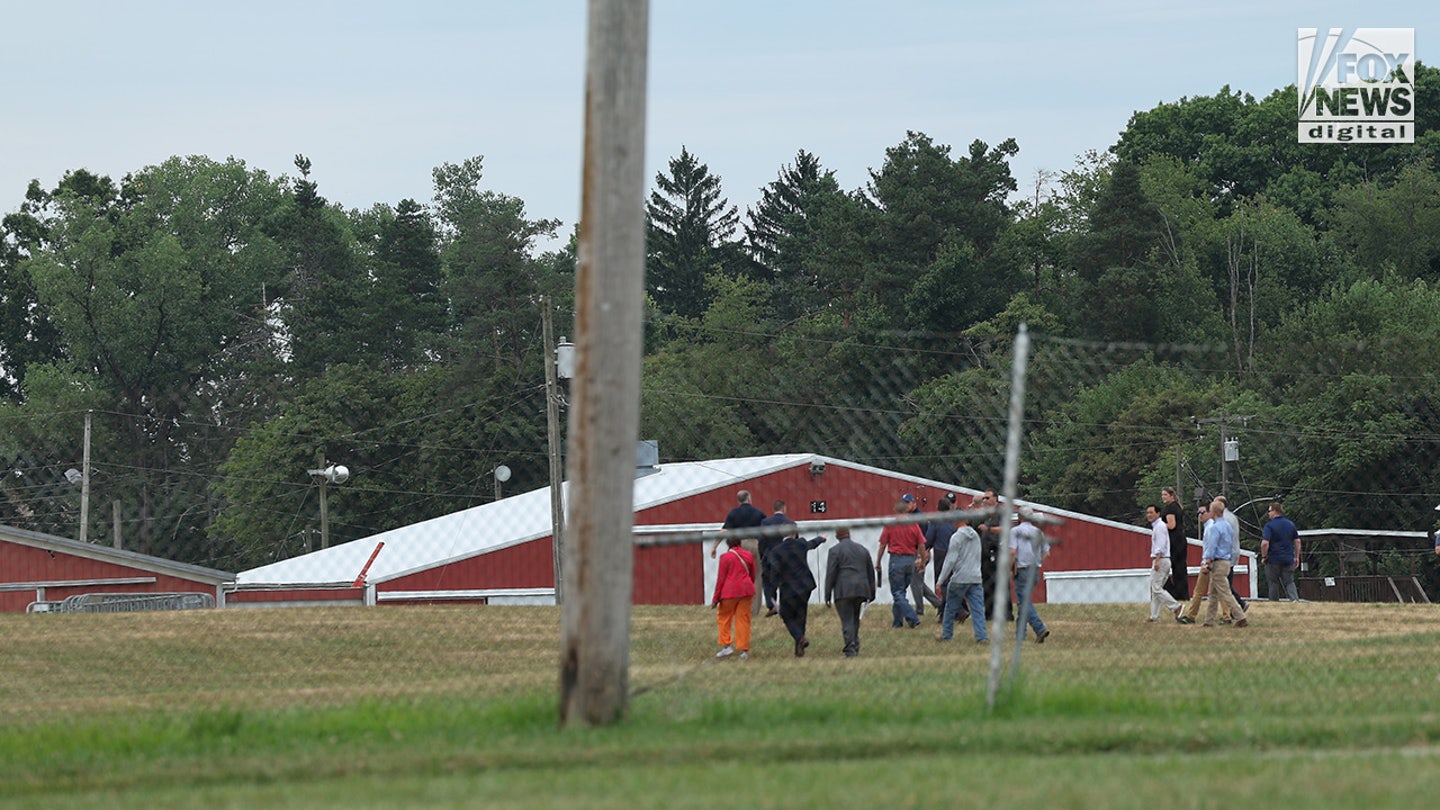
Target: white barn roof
x=504 y=523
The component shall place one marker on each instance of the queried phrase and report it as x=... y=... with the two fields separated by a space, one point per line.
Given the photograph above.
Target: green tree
x=152 y=291
x=928 y=198
x=493 y=279
x=408 y=313
x=786 y=232
x=938 y=219
x=413 y=453
x=690 y=226
x=1094 y=447
x=1394 y=224
x=28 y=335
x=325 y=287
x=1116 y=263
x=703 y=394
x=1357 y=404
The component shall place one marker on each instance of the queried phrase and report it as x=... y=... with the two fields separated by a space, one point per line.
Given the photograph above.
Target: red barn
x=43 y=570
x=502 y=551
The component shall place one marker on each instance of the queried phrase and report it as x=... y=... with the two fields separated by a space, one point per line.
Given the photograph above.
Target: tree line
x=229 y=329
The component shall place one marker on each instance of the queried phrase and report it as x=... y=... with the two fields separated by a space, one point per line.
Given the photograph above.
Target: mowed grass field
x=1314 y=705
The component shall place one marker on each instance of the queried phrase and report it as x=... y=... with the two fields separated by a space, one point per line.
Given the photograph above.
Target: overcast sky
x=376 y=94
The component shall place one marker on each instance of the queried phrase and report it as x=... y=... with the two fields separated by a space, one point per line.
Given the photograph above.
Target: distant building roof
x=501 y=524
x=118 y=556
x=1365 y=535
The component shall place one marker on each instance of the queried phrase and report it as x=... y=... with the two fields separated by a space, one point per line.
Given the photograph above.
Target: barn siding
x=527 y=565
x=663 y=576
x=266 y=596
x=21 y=563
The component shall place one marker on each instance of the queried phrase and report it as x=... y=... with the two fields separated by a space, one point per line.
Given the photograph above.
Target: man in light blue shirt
x=1216 y=558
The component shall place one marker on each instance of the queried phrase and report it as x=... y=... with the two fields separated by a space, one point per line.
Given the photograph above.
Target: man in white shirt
x=1160 y=565
x=1028 y=550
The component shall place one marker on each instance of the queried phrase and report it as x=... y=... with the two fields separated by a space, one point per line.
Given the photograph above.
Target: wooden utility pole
x=85 y=483
x=552 y=432
x=605 y=411
x=1224 y=420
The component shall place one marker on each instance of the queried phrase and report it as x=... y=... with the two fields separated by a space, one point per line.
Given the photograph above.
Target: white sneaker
x=744 y=656
x=724 y=651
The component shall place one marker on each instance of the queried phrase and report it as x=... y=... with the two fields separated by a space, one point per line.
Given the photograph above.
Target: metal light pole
x=331 y=474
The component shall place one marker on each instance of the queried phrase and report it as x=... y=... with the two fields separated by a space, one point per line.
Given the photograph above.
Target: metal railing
x=123 y=603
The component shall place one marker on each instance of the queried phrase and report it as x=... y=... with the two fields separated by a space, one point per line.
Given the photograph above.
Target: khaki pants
x=1220 y=593
x=1202 y=587
x=1159 y=597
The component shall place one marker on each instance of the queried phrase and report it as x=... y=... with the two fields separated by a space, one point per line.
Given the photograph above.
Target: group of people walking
x=784 y=573
x=965 y=559
x=1280 y=548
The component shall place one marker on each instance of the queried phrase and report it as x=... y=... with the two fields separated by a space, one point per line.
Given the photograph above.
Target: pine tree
x=690 y=225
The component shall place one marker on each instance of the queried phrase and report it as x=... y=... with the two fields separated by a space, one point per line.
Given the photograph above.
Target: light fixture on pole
x=502 y=474
x=331 y=474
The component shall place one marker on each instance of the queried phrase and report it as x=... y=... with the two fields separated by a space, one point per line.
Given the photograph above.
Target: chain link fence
x=1341 y=432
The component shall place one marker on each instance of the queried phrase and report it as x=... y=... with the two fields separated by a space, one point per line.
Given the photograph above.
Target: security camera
x=817 y=467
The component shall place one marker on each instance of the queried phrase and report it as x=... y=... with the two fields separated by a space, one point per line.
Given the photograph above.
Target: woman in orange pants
x=734 y=591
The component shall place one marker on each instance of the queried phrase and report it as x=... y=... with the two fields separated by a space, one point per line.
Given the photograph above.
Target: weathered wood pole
x=605 y=414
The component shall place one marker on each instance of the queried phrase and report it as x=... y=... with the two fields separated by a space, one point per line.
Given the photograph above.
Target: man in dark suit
x=790 y=563
x=849 y=583
x=766 y=545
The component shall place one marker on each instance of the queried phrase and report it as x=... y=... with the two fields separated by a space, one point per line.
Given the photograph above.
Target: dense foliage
x=1206 y=273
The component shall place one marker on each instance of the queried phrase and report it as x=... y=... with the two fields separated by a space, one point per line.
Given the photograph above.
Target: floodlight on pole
x=330 y=474
x=502 y=474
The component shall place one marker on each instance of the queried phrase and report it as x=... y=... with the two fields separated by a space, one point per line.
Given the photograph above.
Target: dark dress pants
x=849 y=612
x=793 y=611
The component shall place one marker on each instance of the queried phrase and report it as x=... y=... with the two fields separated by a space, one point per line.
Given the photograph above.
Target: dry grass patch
x=90 y=665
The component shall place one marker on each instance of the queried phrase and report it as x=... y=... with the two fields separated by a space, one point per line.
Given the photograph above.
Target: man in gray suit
x=849 y=583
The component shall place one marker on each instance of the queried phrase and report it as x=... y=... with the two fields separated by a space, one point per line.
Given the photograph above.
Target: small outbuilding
x=39 y=572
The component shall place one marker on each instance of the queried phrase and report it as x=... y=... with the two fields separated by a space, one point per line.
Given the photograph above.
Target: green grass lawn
x=1329 y=705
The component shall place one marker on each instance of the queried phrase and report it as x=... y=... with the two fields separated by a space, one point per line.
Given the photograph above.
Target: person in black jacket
x=790 y=563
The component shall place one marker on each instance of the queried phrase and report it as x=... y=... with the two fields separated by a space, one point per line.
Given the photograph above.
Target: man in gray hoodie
x=960 y=580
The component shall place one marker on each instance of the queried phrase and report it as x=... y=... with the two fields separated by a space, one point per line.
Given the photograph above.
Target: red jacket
x=736 y=578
